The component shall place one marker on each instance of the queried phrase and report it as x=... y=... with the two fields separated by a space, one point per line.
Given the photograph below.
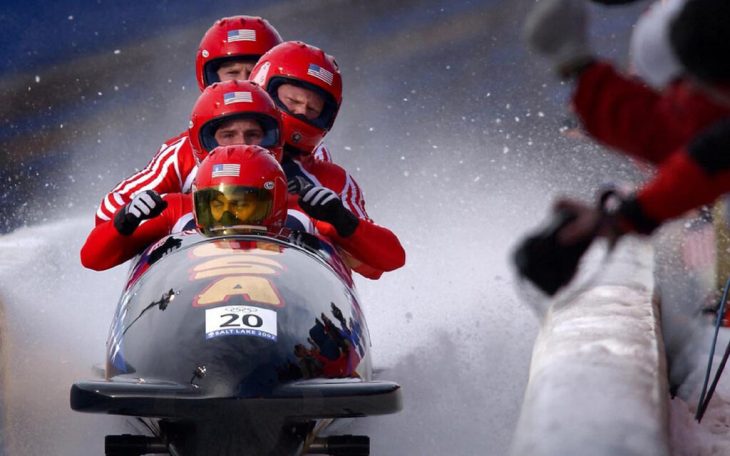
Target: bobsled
x=238 y=345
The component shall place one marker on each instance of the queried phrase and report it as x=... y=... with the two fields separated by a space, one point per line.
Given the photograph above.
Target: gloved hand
x=549 y=257
x=556 y=29
x=145 y=205
x=546 y=260
x=323 y=204
x=296 y=183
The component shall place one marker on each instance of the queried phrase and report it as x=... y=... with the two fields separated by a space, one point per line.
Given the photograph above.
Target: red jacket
x=625 y=114
x=694 y=176
x=171 y=170
x=657 y=127
x=374 y=248
x=106 y=247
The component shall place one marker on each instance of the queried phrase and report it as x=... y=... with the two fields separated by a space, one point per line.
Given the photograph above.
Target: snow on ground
x=55 y=320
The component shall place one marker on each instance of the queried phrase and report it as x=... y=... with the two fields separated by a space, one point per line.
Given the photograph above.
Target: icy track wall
x=598 y=379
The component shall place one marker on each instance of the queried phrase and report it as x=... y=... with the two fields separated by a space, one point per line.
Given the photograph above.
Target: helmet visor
x=227 y=209
x=210 y=69
x=269 y=130
x=326 y=117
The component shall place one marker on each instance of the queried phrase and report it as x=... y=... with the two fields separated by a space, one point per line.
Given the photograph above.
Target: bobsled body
x=251 y=336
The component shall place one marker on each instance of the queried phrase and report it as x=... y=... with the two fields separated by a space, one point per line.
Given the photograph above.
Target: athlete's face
x=301 y=101
x=241 y=206
x=238 y=70
x=239 y=131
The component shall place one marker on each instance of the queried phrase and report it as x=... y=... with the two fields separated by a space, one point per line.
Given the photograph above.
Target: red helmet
x=230 y=100
x=308 y=67
x=237 y=189
x=239 y=37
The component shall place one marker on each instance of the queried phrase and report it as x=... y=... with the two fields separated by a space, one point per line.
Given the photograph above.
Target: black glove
x=296 y=184
x=145 y=205
x=323 y=204
x=549 y=258
x=544 y=260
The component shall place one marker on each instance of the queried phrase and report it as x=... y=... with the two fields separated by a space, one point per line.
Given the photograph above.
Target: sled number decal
x=236 y=272
x=240 y=321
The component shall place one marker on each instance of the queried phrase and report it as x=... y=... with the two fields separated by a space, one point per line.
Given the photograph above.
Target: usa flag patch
x=320 y=73
x=241 y=35
x=237 y=97
x=226 y=170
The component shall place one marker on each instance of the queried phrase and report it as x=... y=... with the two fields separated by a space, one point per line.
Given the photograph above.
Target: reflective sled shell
x=238 y=317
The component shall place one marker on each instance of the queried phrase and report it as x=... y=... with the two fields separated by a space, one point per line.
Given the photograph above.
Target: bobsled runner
x=238 y=345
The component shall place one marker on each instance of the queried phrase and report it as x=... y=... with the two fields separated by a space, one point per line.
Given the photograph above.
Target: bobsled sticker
x=240 y=321
x=236 y=273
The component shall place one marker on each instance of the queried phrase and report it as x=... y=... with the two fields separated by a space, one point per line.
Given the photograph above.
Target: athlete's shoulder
x=175 y=140
x=181 y=150
x=326 y=167
x=329 y=174
x=322 y=153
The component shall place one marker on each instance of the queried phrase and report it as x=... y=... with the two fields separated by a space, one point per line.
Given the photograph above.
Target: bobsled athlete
x=675 y=129
x=623 y=112
x=238 y=189
x=235 y=112
x=323 y=191
x=232 y=113
x=228 y=51
x=306 y=84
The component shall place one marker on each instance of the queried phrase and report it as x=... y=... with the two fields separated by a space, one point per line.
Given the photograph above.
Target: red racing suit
x=689 y=178
x=656 y=127
x=171 y=170
x=106 y=247
x=377 y=244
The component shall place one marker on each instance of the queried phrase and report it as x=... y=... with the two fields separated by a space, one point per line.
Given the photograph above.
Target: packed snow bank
x=54 y=325
x=598 y=380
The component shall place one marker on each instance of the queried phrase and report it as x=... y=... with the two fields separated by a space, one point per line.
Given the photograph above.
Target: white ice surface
x=55 y=320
